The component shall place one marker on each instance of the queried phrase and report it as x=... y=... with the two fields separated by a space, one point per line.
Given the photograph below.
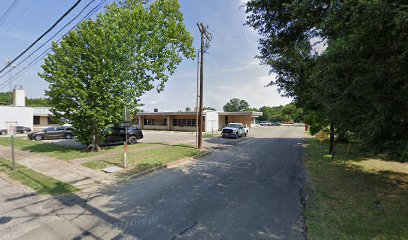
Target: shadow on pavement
x=248 y=192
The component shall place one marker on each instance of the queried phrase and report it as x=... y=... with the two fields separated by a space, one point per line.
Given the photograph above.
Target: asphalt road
x=247 y=191
x=250 y=190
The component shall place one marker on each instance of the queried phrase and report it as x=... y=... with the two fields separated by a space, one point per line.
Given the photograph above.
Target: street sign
x=321 y=135
x=126 y=124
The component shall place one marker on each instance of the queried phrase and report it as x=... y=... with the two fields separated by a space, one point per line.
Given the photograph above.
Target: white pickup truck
x=234 y=130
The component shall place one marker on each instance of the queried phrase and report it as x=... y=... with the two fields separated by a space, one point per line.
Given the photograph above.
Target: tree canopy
x=283 y=113
x=359 y=82
x=106 y=64
x=236 y=105
x=209 y=108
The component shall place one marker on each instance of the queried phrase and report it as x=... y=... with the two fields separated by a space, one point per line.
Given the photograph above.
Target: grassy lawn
x=37 y=181
x=58 y=151
x=143 y=160
x=209 y=135
x=364 y=197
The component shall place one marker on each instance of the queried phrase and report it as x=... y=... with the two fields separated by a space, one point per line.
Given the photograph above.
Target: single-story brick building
x=186 y=121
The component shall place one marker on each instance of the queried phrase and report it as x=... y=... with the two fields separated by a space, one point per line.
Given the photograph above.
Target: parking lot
x=174 y=137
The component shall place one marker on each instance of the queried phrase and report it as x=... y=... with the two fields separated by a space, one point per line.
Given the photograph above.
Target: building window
x=36 y=120
x=49 y=120
x=148 y=121
x=184 y=122
x=155 y=122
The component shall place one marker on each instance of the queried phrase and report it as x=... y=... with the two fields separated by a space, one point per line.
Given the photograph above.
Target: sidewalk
x=25 y=215
x=74 y=174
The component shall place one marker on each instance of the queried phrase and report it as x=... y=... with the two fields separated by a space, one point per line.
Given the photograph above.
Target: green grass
x=48 y=149
x=364 y=197
x=38 y=182
x=61 y=152
x=143 y=160
x=209 y=135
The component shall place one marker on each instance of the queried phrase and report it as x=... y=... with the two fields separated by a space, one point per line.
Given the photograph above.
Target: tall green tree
x=236 y=105
x=105 y=65
x=359 y=83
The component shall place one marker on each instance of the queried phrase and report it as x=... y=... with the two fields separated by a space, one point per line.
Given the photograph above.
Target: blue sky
x=231 y=71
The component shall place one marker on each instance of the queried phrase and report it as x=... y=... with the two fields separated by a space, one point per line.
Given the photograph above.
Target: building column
x=140 y=122
x=169 y=123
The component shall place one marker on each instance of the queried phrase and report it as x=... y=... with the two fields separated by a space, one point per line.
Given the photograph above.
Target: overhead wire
x=39 y=57
x=49 y=39
x=22 y=14
x=39 y=38
x=8 y=11
x=237 y=45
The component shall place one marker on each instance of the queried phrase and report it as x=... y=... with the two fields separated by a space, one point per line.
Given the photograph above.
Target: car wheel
x=245 y=134
x=38 y=137
x=236 y=136
x=3 y=133
x=132 y=140
x=68 y=136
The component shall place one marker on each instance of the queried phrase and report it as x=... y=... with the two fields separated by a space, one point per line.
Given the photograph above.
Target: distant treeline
x=6 y=98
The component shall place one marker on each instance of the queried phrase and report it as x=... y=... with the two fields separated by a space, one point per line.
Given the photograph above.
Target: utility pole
x=205 y=40
x=197 y=96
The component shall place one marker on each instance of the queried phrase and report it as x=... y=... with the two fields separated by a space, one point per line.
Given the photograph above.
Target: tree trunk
x=331 y=147
x=95 y=146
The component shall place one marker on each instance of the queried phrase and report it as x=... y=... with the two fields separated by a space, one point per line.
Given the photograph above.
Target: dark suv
x=22 y=129
x=118 y=134
x=52 y=133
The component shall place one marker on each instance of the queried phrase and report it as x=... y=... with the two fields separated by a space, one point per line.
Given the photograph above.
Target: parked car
x=118 y=134
x=3 y=131
x=22 y=129
x=265 y=123
x=234 y=130
x=275 y=124
x=52 y=133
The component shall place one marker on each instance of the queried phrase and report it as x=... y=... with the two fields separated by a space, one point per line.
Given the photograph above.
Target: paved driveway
x=248 y=190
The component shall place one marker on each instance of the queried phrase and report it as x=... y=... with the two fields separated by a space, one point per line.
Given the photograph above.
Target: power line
x=22 y=13
x=239 y=45
x=39 y=38
x=49 y=39
x=22 y=71
x=39 y=58
x=228 y=35
x=8 y=11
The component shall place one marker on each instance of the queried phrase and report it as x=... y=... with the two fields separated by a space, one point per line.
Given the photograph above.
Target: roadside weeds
x=363 y=197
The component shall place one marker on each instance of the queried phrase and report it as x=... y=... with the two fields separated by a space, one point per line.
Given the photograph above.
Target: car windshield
x=233 y=125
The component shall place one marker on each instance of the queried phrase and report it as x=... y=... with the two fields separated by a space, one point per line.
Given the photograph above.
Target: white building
x=18 y=114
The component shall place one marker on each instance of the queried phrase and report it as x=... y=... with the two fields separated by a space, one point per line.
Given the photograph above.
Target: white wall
x=22 y=115
x=19 y=97
x=211 y=121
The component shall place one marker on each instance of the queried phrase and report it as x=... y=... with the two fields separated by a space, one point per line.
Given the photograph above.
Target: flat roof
x=41 y=111
x=252 y=114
